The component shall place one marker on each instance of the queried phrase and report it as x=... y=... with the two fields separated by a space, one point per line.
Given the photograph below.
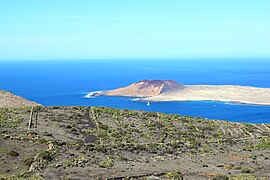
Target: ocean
x=67 y=82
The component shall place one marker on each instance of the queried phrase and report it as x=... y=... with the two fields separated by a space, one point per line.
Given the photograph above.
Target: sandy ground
x=229 y=93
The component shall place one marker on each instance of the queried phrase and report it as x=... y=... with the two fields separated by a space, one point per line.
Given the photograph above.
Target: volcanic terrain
x=8 y=99
x=168 y=90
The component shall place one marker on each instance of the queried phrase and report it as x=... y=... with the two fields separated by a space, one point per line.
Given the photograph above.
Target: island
x=169 y=90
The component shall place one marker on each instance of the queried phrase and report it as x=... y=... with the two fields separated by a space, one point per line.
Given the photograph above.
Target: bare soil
x=8 y=99
x=108 y=143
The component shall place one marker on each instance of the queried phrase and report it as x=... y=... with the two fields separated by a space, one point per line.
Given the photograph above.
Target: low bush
x=28 y=161
x=246 y=170
x=13 y=153
x=106 y=164
x=174 y=175
x=46 y=156
x=221 y=177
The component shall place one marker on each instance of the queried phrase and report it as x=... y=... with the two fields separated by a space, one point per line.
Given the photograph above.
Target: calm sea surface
x=65 y=83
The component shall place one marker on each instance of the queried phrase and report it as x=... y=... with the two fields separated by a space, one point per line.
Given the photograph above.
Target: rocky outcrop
x=8 y=100
x=147 y=88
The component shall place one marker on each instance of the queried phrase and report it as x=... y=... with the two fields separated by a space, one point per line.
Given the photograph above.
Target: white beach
x=227 y=93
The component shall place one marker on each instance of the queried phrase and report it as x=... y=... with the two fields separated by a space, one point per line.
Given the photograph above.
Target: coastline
x=225 y=93
x=224 y=101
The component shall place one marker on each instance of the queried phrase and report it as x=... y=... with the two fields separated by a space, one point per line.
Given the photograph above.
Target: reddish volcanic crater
x=147 y=88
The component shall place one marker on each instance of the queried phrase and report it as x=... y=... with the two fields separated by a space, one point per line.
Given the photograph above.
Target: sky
x=85 y=29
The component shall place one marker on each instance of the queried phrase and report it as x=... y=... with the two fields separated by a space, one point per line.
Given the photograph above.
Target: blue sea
x=67 y=82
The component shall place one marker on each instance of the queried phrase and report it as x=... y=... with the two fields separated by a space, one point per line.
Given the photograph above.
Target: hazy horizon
x=156 y=59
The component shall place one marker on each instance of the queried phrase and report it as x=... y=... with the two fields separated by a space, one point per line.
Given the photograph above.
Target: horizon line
x=139 y=58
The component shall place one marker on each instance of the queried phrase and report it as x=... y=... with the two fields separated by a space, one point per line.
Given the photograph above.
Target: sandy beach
x=227 y=93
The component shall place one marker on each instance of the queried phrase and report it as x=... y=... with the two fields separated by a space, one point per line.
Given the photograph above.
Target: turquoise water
x=66 y=83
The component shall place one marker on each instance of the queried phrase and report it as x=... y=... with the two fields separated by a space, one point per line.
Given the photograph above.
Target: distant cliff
x=147 y=88
x=8 y=99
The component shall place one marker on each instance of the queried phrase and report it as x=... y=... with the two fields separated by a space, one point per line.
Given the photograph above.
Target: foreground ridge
x=8 y=99
x=109 y=143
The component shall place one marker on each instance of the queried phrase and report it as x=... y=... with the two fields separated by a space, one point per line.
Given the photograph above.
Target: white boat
x=148 y=103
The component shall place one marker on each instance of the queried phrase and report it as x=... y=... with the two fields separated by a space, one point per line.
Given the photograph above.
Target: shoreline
x=235 y=94
x=144 y=99
x=223 y=101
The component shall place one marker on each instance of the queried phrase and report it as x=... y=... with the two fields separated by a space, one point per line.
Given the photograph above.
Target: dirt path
x=86 y=122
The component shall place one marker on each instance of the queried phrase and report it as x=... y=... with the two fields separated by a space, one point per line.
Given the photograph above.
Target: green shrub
x=106 y=164
x=13 y=153
x=174 y=175
x=68 y=126
x=103 y=126
x=28 y=161
x=46 y=156
x=247 y=170
x=221 y=177
x=245 y=177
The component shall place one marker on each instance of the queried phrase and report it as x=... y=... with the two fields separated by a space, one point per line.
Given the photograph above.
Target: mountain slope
x=108 y=143
x=147 y=88
x=8 y=99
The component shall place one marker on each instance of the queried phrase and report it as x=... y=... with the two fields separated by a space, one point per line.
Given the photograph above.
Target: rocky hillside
x=107 y=143
x=8 y=99
x=147 y=88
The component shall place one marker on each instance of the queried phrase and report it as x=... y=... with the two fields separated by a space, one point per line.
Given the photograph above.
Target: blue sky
x=82 y=29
